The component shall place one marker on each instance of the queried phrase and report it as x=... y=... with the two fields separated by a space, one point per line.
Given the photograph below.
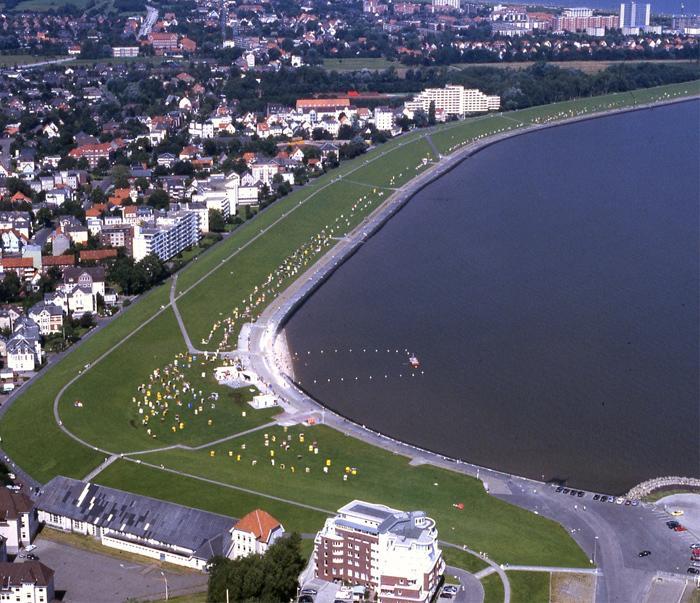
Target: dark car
x=596 y=497
x=581 y=493
x=672 y=525
x=32 y=557
x=603 y=498
x=559 y=489
x=644 y=553
x=692 y=570
x=305 y=599
x=572 y=493
x=565 y=491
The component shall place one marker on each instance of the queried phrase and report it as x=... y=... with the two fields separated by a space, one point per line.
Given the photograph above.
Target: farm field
x=585 y=66
x=112 y=371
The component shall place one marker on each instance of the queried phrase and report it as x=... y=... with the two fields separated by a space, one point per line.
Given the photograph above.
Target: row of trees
x=272 y=577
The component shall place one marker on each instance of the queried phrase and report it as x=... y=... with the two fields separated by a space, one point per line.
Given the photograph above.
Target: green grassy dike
x=214 y=285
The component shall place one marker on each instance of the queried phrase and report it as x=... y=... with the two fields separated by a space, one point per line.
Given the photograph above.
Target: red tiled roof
x=13 y=503
x=29 y=572
x=17 y=262
x=92 y=255
x=58 y=260
x=259 y=523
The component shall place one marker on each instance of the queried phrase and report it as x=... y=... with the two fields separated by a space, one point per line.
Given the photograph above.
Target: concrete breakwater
x=664 y=483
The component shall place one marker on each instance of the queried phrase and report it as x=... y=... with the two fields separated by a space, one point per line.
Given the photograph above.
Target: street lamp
x=166 y=584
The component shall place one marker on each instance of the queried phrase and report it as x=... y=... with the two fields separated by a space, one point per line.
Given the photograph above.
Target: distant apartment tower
x=392 y=552
x=452 y=3
x=125 y=51
x=633 y=15
x=454 y=100
x=588 y=24
x=171 y=234
x=579 y=11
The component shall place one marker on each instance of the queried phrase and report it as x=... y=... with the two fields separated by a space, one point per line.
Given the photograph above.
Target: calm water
x=549 y=286
x=666 y=7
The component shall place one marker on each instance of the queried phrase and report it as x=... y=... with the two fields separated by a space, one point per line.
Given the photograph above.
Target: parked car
x=693 y=570
x=596 y=497
x=672 y=524
x=30 y=547
x=32 y=557
x=559 y=489
x=644 y=553
x=680 y=529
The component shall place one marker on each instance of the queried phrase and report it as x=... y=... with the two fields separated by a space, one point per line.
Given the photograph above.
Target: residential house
x=254 y=534
x=92 y=278
x=18 y=520
x=49 y=317
x=28 y=582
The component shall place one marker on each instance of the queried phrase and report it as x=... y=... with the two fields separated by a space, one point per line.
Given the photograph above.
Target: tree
x=216 y=221
x=10 y=287
x=86 y=320
x=120 y=176
x=431 y=113
x=270 y=577
x=159 y=199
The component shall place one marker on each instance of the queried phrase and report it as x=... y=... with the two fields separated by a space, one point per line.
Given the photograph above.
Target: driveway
x=88 y=577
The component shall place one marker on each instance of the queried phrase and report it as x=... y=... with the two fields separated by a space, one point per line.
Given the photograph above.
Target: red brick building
x=393 y=553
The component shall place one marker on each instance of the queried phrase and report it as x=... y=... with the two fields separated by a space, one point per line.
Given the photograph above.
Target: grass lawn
x=529 y=587
x=10 y=60
x=493 y=589
x=194 y=598
x=299 y=473
x=210 y=497
x=585 y=66
x=463 y=559
x=358 y=64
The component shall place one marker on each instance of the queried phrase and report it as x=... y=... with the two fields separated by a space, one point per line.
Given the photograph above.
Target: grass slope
x=485 y=524
x=210 y=497
x=493 y=589
x=529 y=587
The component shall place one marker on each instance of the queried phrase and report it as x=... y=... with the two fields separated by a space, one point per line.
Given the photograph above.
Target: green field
x=250 y=268
x=493 y=589
x=294 y=461
x=529 y=587
x=358 y=64
x=463 y=559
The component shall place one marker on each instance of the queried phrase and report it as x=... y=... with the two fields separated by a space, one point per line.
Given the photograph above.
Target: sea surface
x=549 y=286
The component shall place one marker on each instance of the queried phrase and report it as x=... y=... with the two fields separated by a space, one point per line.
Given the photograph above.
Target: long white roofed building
x=454 y=100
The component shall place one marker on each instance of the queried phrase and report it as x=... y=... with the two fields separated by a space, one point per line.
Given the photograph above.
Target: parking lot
x=86 y=577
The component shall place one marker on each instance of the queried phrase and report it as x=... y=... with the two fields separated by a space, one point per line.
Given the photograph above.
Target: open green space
x=358 y=64
x=223 y=278
x=183 y=490
x=321 y=466
x=529 y=587
x=463 y=559
x=493 y=589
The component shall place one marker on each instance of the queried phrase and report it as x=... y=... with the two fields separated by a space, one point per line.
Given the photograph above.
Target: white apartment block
x=28 y=582
x=454 y=100
x=168 y=236
x=18 y=520
x=220 y=193
x=391 y=552
x=452 y=3
x=383 y=119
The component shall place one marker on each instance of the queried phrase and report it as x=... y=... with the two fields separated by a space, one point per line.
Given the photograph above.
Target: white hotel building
x=392 y=552
x=454 y=100
x=167 y=236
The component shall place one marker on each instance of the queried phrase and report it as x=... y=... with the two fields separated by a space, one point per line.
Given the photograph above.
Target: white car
x=30 y=547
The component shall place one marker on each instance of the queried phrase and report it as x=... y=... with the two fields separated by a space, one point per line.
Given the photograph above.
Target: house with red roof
x=254 y=533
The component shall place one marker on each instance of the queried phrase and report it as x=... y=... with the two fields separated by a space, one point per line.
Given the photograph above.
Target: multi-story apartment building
x=18 y=520
x=125 y=51
x=391 y=552
x=585 y=23
x=163 y=42
x=167 y=236
x=118 y=235
x=451 y=3
x=454 y=100
x=633 y=15
x=28 y=582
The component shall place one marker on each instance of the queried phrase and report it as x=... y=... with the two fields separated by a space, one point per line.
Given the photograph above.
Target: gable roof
x=142 y=517
x=29 y=572
x=259 y=523
x=12 y=504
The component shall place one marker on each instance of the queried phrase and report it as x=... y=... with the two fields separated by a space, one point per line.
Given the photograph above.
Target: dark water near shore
x=550 y=287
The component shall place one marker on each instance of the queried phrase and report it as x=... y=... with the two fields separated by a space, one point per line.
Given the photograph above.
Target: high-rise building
x=633 y=15
x=454 y=100
x=452 y=3
x=392 y=552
